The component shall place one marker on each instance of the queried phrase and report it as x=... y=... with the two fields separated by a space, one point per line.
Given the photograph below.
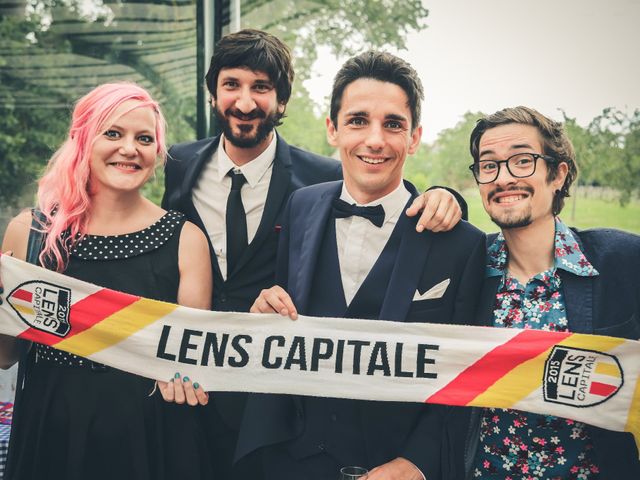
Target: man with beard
x=541 y=274
x=236 y=194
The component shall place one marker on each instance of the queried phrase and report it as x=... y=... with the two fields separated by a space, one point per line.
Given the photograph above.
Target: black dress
x=78 y=420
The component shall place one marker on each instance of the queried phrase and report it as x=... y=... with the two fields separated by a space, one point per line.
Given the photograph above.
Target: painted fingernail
x=196 y=385
x=185 y=379
x=177 y=375
x=1 y=290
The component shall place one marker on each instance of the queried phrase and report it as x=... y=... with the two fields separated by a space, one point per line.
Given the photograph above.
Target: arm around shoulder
x=194 y=261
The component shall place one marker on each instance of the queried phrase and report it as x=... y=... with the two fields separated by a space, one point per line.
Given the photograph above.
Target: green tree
x=28 y=133
x=303 y=127
x=619 y=137
x=345 y=26
x=45 y=66
x=446 y=161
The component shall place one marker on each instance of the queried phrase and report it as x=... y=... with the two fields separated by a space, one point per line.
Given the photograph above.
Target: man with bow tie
x=347 y=250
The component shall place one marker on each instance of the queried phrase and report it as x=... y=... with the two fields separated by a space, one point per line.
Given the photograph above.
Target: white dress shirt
x=212 y=189
x=360 y=242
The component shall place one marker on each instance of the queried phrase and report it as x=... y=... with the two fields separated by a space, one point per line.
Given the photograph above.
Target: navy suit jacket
x=423 y=260
x=607 y=304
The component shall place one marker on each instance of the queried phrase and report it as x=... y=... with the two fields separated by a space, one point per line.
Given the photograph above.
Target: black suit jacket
x=292 y=168
x=607 y=304
x=391 y=429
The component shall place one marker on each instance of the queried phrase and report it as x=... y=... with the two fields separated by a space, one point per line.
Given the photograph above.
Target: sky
x=579 y=56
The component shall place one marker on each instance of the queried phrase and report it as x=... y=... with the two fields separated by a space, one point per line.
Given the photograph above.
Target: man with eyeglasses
x=541 y=274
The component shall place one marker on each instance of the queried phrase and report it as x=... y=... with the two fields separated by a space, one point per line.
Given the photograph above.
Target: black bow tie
x=342 y=209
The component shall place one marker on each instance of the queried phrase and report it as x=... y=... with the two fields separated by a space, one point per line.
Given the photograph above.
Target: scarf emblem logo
x=581 y=378
x=43 y=306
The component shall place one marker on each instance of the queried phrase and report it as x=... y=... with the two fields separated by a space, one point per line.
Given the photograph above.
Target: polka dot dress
x=76 y=421
x=99 y=248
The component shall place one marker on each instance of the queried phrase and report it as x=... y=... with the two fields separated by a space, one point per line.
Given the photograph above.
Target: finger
x=443 y=209
x=261 y=305
x=189 y=393
x=273 y=299
x=289 y=308
x=201 y=395
x=179 y=389
x=426 y=218
x=281 y=302
x=438 y=214
x=449 y=214
x=450 y=220
x=167 y=391
x=417 y=205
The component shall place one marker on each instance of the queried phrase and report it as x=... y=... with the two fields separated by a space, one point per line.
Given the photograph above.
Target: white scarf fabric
x=589 y=378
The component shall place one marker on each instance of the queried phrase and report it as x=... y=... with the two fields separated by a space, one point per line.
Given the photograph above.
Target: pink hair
x=64 y=195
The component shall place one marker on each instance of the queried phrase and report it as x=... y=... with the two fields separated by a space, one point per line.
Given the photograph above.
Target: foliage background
x=608 y=148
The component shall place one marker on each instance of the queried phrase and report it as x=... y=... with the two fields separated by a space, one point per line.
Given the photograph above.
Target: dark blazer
x=607 y=304
x=292 y=168
x=423 y=260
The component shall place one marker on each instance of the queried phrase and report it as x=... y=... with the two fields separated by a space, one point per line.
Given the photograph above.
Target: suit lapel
x=412 y=256
x=276 y=197
x=578 y=300
x=487 y=301
x=315 y=224
x=195 y=165
x=578 y=297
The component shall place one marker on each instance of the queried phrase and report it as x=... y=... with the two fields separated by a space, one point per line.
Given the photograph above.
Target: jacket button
x=222 y=297
x=321 y=447
x=334 y=417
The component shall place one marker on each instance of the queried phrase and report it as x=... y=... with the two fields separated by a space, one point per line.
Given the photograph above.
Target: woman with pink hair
x=76 y=419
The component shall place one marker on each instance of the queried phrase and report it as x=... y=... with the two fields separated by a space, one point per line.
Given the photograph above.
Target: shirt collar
x=567 y=253
x=254 y=170
x=392 y=202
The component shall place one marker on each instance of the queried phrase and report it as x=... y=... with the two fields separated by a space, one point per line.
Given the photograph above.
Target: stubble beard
x=246 y=140
x=512 y=219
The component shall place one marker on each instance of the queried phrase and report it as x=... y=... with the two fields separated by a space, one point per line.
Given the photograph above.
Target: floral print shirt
x=526 y=446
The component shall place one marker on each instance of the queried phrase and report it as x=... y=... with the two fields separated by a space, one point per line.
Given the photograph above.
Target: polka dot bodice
x=103 y=260
x=96 y=247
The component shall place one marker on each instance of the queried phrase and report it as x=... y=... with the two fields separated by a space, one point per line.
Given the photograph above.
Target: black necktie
x=342 y=209
x=236 y=221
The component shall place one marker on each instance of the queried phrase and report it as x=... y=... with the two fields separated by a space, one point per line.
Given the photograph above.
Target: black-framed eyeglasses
x=520 y=165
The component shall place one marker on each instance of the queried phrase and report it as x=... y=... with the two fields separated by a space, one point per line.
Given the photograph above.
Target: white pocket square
x=437 y=291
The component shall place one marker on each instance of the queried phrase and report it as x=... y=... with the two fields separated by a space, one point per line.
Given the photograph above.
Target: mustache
x=524 y=188
x=255 y=113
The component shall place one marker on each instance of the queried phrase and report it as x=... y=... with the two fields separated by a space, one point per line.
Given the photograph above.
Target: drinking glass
x=352 y=473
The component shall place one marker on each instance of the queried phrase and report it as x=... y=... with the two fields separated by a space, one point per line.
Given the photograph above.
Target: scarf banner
x=589 y=378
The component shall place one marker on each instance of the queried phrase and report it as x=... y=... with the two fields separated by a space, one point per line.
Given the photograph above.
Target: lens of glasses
x=520 y=165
